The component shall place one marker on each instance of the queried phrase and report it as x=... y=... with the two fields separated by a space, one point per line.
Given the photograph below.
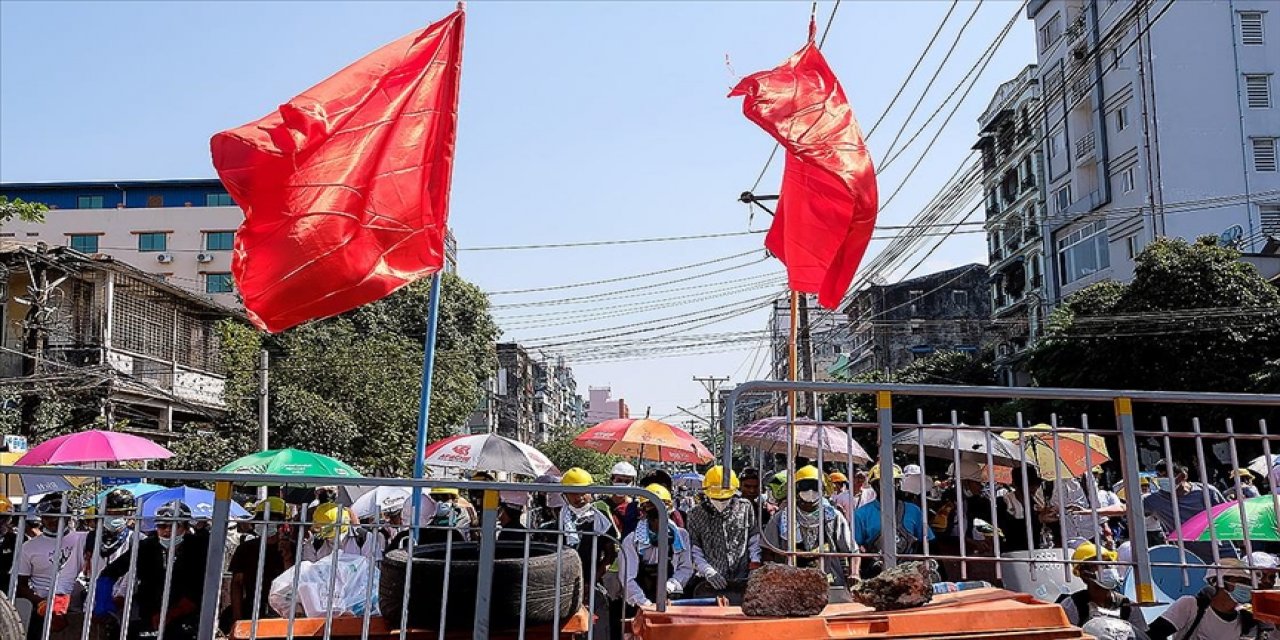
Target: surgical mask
x=114 y=525
x=720 y=505
x=809 y=496
x=1164 y=484
x=1242 y=593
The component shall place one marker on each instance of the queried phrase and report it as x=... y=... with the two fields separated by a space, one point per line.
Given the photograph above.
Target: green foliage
x=18 y=209
x=566 y=455
x=1194 y=318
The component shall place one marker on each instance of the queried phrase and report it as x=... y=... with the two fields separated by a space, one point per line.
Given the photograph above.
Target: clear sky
x=579 y=121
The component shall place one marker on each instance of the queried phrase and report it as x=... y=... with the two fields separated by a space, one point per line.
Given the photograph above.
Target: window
x=1264 y=154
x=217 y=283
x=154 y=241
x=1251 y=28
x=1257 y=90
x=1051 y=31
x=959 y=297
x=1083 y=252
x=89 y=202
x=87 y=243
x=1062 y=199
x=155 y=201
x=1122 y=117
x=1127 y=180
x=218 y=240
x=218 y=200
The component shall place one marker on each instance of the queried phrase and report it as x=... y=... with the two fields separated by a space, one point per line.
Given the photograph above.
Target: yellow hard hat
x=808 y=472
x=276 y=504
x=836 y=476
x=328 y=520
x=874 y=474
x=1089 y=551
x=711 y=483
x=576 y=477
x=657 y=490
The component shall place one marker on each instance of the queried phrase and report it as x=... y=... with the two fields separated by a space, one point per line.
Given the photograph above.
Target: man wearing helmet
x=724 y=534
x=819 y=527
x=189 y=547
x=1099 y=608
x=639 y=567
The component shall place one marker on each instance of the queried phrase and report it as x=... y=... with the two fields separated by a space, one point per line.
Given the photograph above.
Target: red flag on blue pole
x=828 y=203
x=345 y=188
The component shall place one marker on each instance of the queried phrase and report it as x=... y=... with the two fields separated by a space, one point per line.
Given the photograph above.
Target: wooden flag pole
x=792 y=357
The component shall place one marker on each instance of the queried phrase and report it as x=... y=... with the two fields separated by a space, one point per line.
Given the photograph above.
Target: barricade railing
x=153 y=586
x=1079 y=509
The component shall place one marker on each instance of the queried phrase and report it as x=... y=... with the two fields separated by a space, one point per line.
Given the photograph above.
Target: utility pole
x=264 y=360
x=712 y=385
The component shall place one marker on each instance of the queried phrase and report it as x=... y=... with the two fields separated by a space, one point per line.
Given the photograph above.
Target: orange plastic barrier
x=1266 y=606
x=986 y=613
x=380 y=629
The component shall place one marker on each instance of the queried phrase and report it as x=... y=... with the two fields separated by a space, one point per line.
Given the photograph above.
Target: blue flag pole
x=424 y=399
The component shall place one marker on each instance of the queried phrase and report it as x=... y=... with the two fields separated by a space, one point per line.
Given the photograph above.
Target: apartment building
x=1160 y=119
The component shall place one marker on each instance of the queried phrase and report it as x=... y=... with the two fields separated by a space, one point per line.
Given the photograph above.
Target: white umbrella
x=488 y=452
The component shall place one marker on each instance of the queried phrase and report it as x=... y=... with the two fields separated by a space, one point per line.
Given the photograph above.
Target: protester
x=813 y=513
x=910 y=530
x=639 y=567
x=269 y=516
x=1099 y=608
x=725 y=539
x=1218 y=612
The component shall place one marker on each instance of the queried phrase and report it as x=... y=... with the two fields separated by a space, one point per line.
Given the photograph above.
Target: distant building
x=894 y=324
x=180 y=230
x=148 y=351
x=1012 y=177
x=515 y=394
x=601 y=406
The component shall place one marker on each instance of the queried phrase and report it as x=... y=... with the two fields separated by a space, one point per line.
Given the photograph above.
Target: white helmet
x=625 y=469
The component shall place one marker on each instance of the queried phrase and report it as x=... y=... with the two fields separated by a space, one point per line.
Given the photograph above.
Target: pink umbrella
x=93 y=446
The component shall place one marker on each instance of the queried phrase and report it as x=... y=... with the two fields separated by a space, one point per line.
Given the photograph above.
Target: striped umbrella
x=644 y=438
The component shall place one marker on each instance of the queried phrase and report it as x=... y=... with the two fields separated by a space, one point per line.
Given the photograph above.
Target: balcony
x=1085 y=147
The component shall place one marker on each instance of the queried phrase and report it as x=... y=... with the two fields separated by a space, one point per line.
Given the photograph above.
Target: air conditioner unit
x=164 y=258
x=204 y=257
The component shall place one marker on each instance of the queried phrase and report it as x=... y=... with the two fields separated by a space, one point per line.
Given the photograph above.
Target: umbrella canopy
x=30 y=484
x=1260 y=464
x=139 y=490
x=644 y=438
x=306 y=465
x=1227 y=525
x=200 y=501
x=942 y=442
x=488 y=452
x=1070 y=455
x=93 y=446
x=380 y=500
x=770 y=436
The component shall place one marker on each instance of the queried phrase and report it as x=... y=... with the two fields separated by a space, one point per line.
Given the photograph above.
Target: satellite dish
x=1232 y=236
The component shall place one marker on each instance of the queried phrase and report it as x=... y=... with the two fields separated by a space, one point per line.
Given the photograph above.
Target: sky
x=579 y=121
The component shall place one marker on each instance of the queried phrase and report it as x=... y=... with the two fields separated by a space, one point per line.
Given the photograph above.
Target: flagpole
x=792 y=356
x=424 y=397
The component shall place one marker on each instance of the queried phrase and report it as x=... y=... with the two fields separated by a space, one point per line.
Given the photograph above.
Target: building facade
x=147 y=352
x=1012 y=177
x=601 y=406
x=892 y=325
x=1159 y=120
x=180 y=230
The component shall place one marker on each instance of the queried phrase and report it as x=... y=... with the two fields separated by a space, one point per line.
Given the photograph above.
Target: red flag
x=345 y=188
x=827 y=206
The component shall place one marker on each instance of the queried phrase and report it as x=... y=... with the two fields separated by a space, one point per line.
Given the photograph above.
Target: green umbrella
x=1226 y=522
x=304 y=465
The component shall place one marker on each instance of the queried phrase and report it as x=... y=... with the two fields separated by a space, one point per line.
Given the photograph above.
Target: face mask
x=719 y=505
x=1164 y=484
x=114 y=525
x=809 y=496
x=1242 y=593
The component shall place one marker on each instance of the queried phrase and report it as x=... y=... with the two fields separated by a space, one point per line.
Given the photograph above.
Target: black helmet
x=120 y=500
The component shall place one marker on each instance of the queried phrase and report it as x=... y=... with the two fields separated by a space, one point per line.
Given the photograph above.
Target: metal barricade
x=1080 y=508
x=172 y=574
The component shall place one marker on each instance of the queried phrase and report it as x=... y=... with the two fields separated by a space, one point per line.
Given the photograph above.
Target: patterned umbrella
x=488 y=452
x=1225 y=519
x=770 y=435
x=644 y=438
x=1069 y=456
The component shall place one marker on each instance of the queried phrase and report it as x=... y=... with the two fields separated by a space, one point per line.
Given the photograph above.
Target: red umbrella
x=644 y=438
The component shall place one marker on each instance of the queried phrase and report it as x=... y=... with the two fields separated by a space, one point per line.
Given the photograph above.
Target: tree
x=1194 y=313
x=24 y=211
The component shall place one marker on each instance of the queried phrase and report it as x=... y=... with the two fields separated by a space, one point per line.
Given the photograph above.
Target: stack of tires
x=430 y=588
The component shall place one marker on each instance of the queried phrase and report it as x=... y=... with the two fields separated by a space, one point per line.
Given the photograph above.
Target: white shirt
x=681 y=564
x=1212 y=627
x=40 y=559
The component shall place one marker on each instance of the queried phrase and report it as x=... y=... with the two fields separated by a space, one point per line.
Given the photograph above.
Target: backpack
x=1081 y=601
x=1247 y=623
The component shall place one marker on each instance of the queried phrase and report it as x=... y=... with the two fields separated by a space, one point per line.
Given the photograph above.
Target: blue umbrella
x=200 y=501
x=139 y=490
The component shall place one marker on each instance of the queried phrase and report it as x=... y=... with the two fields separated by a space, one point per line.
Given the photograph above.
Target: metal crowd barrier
x=209 y=612
x=1172 y=445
